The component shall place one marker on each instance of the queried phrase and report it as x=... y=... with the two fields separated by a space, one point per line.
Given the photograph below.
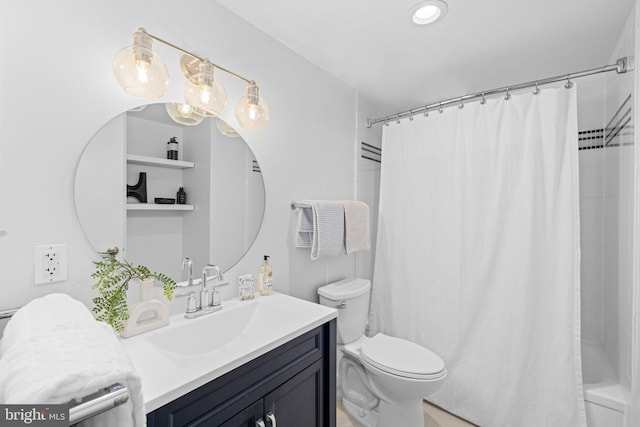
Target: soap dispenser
x=181 y=196
x=265 y=273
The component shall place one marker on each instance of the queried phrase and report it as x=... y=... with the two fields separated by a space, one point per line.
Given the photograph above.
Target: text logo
x=34 y=415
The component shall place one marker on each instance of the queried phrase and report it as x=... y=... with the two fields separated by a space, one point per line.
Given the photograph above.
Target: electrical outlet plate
x=50 y=263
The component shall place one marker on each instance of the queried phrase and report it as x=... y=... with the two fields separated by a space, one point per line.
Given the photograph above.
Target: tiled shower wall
x=605 y=114
x=591 y=157
x=618 y=211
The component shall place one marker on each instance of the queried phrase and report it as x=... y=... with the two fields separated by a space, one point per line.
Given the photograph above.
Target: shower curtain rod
x=621 y=66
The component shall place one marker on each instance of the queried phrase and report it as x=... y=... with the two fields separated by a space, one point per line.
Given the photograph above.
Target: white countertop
x=187 y=354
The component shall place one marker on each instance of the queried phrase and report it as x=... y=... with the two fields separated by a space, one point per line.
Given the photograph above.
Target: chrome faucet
x=204 y=293
x=205 y=278
x=186 y=262
x=206 y=305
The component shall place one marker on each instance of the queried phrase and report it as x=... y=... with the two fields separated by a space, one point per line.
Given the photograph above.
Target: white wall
x=58 y=90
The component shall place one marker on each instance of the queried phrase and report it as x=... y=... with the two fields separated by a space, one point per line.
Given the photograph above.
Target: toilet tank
x=351 y=298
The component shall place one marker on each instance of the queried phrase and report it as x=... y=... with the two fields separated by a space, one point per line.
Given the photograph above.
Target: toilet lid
x=400 y=357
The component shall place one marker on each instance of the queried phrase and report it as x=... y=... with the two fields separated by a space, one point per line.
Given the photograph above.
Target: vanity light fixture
x=141 y=73
x=204 y=92
x=428 y=12
x=184 y=114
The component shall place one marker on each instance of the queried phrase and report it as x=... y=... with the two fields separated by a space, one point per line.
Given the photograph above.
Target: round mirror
x=163 y=186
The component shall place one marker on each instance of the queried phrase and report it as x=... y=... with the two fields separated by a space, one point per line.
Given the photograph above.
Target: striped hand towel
x=328 y=228
x=304 y=228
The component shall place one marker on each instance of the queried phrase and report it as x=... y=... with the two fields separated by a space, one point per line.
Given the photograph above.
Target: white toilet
x=383 y=378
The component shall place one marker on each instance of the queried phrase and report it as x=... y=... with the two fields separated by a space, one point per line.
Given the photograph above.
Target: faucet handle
x=215 y=298
x=192 y=305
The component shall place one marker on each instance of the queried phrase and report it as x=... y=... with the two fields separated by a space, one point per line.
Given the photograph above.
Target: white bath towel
x=356 y=226
x=53 y=351
x=328 y=228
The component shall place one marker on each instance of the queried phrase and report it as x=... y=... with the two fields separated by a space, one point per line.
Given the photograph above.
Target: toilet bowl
x=383 y=378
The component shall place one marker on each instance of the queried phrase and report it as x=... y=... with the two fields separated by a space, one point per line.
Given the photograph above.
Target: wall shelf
x=157 y=207
x=135 y=159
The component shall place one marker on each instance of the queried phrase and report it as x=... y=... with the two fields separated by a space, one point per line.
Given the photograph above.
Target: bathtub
x=604 y=398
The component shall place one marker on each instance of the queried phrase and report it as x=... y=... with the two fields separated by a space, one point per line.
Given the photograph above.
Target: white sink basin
x=188 y=353
x=215 y=331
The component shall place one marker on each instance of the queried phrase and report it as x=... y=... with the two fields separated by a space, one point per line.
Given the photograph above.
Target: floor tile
x=433 y=417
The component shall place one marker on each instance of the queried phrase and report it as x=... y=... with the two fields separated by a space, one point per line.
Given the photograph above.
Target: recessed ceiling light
x=428 y=12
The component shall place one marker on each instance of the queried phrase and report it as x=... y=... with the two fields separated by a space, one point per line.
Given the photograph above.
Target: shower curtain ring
x=398 y=118
x=410 y=117
x=508 y=95
x=569 y=83
x=461 y=105
x=536 y=90
x=440 y=107
x=484 y=101
x=386 y=121
x=426 y=111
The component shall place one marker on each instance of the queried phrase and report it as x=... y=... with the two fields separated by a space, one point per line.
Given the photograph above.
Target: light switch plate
x=50 y=263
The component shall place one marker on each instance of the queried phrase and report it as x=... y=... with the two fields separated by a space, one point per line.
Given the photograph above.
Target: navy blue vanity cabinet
x=294 y=383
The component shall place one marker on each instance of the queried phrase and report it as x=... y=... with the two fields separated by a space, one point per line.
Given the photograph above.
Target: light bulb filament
x=253 y=112
x=142 y=71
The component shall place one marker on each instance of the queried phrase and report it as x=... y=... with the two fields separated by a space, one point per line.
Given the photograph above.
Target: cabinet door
x=299 y=401
x=247 y=418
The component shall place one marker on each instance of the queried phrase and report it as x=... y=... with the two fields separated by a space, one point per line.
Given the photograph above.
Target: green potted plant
x=113 y=277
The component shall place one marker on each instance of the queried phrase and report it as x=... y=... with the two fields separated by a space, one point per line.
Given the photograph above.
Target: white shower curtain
x=478 y=255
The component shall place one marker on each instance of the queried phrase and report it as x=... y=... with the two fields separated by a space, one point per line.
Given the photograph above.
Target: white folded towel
x=328 y=228
x=356 y=219
x=53 y=351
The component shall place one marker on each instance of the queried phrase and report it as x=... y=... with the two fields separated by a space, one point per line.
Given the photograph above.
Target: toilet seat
x=402 y=358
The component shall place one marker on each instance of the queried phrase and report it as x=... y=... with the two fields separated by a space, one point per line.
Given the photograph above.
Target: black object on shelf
x=181 y=196
x=164 y=201
x=139 y=190
x=172 y=148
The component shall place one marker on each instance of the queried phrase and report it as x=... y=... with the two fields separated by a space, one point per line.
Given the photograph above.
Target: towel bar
x=114 y=396
x=99 y=402
x=298 y=205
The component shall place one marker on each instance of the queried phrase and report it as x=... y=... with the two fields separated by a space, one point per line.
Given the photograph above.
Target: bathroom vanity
x=272 y=359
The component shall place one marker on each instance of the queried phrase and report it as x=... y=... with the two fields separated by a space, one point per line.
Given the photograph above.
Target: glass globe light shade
x=184 y=114
x=226 y=129
x=139 y=71
x=252 y=112
x=204 y=92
